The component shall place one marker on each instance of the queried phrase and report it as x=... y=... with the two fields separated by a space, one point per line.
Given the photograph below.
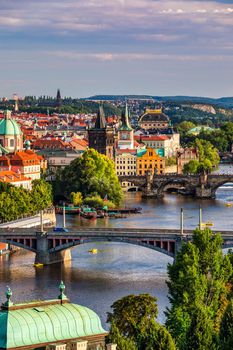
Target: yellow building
x=148 y=159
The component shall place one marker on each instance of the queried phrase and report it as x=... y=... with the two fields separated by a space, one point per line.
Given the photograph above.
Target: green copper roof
x=9 y=126
x=46 y=323
x=125 y=125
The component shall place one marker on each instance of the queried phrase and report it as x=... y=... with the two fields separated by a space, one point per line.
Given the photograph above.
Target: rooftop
x=45 y=322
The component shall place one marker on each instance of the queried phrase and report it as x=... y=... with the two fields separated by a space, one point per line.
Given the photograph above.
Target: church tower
x=101 y=137
x=125 y=132
x=58 y=100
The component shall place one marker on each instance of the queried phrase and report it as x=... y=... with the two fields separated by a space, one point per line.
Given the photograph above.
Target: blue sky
x=90 y=47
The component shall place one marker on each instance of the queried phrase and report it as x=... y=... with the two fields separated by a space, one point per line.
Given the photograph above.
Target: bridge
x=51 y=247
x=200 y=186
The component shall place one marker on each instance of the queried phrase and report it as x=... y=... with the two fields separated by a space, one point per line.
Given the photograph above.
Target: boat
x=228 y=205
x=88 y=213
x=100 y=214
x=137 y=210
x=93 y=251
x=38 y=265
x=209 y=223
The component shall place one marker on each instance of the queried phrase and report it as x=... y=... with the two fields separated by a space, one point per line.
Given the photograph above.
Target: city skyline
x=118 y=47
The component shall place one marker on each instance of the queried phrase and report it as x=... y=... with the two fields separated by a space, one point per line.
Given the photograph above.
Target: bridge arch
x=217 y=186
x=169 y=251
x=177 y=184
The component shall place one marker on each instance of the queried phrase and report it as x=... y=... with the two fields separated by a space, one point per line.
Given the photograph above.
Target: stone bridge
x=51 y=247
x=200 y=186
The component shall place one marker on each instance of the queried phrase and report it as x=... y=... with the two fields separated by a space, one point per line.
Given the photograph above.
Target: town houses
x=34 y=142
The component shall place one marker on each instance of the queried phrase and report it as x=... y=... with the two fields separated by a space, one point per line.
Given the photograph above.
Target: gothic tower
x=101 y=137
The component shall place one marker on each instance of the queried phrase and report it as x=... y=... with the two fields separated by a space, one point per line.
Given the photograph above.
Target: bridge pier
x=43 y=256
x=204 y=192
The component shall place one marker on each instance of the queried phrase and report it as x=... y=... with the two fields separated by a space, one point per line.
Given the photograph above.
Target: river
x=117 y=270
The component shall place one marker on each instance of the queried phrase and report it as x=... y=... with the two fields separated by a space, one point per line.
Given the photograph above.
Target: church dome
x=9 y=126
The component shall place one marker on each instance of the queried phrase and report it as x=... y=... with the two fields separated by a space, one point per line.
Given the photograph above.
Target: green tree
x=92 y=173
x=184 y=127
x=191 y=167
x=76 y=198
x=41 y=195
x=134 y=320
x=226 y=330
x=198 y=291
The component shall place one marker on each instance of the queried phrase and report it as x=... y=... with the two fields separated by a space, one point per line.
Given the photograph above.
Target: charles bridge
x=200 y=186
x=50 y=247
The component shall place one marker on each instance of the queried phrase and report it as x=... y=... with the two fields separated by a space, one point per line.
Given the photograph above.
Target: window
x=12 y=142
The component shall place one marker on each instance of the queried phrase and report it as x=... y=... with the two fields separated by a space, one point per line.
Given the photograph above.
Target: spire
x=100 y=120
x=62 y=288
x=7 y=114
x=8 y=297
x=125 y=124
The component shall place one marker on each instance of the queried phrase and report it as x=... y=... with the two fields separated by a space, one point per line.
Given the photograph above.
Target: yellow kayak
x=38 y=265
x=93 y=251
x=228 y=205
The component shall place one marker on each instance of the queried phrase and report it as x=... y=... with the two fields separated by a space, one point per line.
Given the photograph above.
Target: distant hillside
x=226 y=102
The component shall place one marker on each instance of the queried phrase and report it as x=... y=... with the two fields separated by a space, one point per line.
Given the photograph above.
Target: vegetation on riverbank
x=92 y=174
x=200 y=314
x=16 y=202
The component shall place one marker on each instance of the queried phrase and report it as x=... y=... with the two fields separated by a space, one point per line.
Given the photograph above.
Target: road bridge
x=200 y=186
x=50 y=247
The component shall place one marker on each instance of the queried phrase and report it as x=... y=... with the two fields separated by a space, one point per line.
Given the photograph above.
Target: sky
x=87 y=47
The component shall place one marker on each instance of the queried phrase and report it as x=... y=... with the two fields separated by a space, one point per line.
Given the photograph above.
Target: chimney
x=111 y=346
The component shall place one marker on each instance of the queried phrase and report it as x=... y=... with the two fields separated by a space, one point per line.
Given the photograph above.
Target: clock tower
x=125 y=132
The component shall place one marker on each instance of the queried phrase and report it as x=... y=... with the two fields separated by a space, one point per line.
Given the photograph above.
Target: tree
x=41 y=194
x=92 y=173
x=198 y=291
x=184 y=127
x=226 y=330
x=76 y=198
x=133 y=320
x=191 y=167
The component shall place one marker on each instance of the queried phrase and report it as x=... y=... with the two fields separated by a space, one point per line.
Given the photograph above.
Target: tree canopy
x=133 y=324
x=92 y=174
x=198 y=292
x=17 y=201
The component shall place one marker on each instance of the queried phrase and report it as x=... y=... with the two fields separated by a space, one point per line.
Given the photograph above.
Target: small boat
x=93 y=251
x=38 y=265
x=228 y=205
x=88 y=213
x=209 y=223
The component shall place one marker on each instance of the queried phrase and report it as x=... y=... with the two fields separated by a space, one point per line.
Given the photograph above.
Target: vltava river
x=117 y=270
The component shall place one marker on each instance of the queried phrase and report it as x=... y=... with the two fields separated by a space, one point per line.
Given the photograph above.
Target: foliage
x=133 y=321
x=208 y=158
x=170 y=161
x=76 y=198
x=184 y=127
x=96 y=201
x=226 y=331
x=198 y=291
x=92 y=173
x=17 y=201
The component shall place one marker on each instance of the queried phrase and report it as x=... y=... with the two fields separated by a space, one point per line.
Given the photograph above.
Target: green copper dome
x=30 y=324
x=9 y=126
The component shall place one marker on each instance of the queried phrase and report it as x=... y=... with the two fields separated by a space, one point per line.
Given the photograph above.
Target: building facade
x=149 y=160
x=153 y=119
